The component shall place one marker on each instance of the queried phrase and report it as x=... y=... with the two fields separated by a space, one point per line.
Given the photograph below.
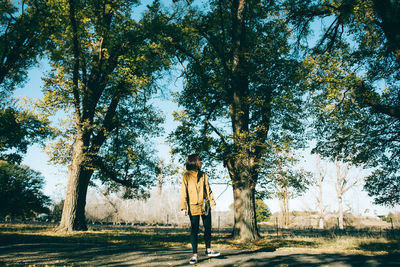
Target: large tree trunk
x=244 y=179
x=245 y=224
x=73 y=215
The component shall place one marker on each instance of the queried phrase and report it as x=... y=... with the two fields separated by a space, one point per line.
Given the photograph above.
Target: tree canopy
x=21 y=193
x=242 y=94
x=105 y=75
x=262 y=211
x=355 y=81
x=21 y=40
x=18 y=130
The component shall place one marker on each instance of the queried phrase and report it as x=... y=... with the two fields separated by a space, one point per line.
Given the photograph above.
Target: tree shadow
x=98 y=250
x=149 y=246
x=323 y=259
x=391 y=247
x=131 y=238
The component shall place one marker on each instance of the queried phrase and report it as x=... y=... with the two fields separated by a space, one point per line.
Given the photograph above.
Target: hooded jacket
x=194 y=189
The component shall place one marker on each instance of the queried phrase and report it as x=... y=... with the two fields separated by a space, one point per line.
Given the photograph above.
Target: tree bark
x=340 y=219
x=73 y=215
x=342 y=180
x=160 y=176
x=245 y=224
x=285 y=207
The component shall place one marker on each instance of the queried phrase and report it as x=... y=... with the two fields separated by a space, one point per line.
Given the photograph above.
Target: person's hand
x=184 y=212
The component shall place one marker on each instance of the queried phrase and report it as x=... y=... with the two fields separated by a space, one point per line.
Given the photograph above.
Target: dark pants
x=194 y=222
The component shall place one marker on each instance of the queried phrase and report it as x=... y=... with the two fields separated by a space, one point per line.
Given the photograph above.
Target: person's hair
x=191 y=162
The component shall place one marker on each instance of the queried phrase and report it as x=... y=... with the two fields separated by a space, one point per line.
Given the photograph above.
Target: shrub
x=262 y=211
x=21 y=192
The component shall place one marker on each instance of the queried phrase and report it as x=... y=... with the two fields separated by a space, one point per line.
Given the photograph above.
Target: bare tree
x=321 y=174
x=343 y=183
x=289 y=181
x=113 y=203
x=283 y=196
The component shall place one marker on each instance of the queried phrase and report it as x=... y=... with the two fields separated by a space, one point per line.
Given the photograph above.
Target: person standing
x=196 y=201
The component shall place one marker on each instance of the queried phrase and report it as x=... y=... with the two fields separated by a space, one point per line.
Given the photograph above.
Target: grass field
x=179 y=237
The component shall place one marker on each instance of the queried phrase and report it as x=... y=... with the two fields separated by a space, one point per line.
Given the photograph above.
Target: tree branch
x=108 y=123
x=75 y=75
x=369 y=98
x=109 y=173
x=217 y=132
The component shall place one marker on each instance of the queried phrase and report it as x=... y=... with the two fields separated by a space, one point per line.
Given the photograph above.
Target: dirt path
x=90 y=254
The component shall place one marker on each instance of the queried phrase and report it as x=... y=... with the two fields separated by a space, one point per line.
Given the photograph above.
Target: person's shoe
x=193 y=260
x=212 y=253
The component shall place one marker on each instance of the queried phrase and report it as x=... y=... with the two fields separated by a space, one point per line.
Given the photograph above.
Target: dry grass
x=340 y=244
x=178 y=237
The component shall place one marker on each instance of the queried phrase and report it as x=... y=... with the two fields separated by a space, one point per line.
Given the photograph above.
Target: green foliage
x=104 y=71
x=267 y=80
x=56 y=212
x=355 y=82
x=128 y=155
x=21 y=40
x=285 y=179
x=392 y=218
x=18 y=130
x=21 y=191
x=262 y=211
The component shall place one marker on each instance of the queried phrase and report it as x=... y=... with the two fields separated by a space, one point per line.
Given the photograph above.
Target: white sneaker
x=212 y=253
x=193 y=260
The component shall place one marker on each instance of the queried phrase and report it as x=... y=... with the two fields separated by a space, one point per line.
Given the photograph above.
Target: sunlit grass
x=339 y=244
x=169 y=237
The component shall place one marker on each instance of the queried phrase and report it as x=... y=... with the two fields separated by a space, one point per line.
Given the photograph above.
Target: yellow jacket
x=193 y=194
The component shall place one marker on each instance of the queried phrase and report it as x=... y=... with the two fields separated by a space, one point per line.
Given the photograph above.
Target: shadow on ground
x=309 y=259
x=392 y=247
x=160 y=248
x=90 y=254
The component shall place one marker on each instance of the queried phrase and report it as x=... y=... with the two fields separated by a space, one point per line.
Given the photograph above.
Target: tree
x=18 y=130
x=355 y=75
x=21 y=191
x=21 y=40
x=56 y=212
x=160 y=175
x=104 y=65
x=321 y=174
x=262 y=211
x=342 y=184
x=242 y=92
x=285 y=180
